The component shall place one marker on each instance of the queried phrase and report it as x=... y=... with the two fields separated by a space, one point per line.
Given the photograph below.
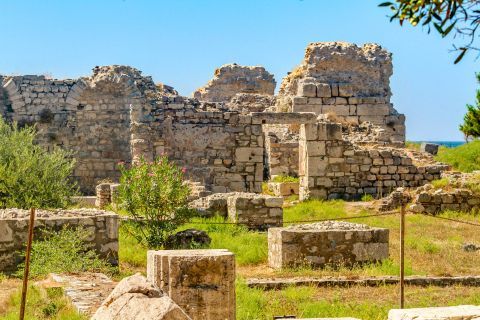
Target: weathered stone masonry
x=331 y=167
x=119 y=115
x=101 y=225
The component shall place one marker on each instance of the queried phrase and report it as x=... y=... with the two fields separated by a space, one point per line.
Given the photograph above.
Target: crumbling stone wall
x=101 y=225
x=117 y=115
x=348 y=81
x=89 y=116
x=331 y=167
x=231 y=79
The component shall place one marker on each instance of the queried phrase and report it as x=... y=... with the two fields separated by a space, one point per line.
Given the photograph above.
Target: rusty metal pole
x=402 y=256
x=27 y=263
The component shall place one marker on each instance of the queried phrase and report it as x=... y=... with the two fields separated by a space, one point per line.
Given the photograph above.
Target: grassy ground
x=42 y=303
x=433 y=246
x=360 y=302
x=464 y=158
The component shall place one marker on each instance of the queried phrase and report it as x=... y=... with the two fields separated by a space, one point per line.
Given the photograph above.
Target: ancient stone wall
x=117 y=115
x=256 y=211
x=101 y=225
x=221 y=149
x=347 y=81
x=231 y=79
x=331 y=167
x=282 y=156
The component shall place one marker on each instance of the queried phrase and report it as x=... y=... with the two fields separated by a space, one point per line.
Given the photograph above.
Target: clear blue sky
x=181 y=42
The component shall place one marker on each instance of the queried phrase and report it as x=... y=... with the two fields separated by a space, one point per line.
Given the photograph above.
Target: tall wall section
x=350 y=83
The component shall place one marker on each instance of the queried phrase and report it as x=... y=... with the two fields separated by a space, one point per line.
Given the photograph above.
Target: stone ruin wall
x=347 y=82
x=102 y=228
x=118 y=115
x=332 y=168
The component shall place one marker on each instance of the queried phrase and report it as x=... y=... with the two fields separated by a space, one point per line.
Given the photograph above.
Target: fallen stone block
x=134 y=298
x=465 y=312
x=431 y=148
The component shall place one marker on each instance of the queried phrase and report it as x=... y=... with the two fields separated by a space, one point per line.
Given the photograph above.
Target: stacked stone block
x=101 y=225
x=331 y=167
x=283 y=189
x=282 y=156
x=201 y=282
x=104 y=195
x=256 y=211
x=339 y=99
x=436 y=201
x=327 y=243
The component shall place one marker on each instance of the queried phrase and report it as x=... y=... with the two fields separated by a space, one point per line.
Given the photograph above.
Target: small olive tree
x=31 y=176
x=156 y=197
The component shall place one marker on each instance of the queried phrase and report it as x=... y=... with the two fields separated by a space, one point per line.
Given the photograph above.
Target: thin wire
x=454 y=220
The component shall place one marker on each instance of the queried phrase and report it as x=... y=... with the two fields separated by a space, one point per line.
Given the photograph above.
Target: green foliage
x=315 y=209
x=465 y=158
x=471 y=120
x=440 y=183
x=459 y=16
x=156 y=197
x=65 y=251
x=42 y=304
x=367 y=197
x=282 y=178
x=30 y=176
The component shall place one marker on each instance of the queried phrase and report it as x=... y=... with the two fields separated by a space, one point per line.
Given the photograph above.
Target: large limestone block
x=134 y=298
x=465 y=312
x=326 y=243
x=201 y=282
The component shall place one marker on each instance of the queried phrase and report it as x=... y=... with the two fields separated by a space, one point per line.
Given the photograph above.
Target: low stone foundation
x=444 y=313
x=283 y=189
x=327 y=243
x=256 y=211
x=102 y=225
x=201 y=282
x=435 y=201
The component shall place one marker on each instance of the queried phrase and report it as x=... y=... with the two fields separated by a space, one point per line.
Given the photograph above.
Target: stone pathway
x=86 y=291
x=279 y=283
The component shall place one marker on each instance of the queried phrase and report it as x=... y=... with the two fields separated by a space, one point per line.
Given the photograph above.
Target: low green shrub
x=440 y=183
x=65 y=251
x=30 y=176
x=283 y=178
x=367 y=197
x=156 y=197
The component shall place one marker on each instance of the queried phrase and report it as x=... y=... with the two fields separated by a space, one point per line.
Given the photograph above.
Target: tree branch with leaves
x=460 y=18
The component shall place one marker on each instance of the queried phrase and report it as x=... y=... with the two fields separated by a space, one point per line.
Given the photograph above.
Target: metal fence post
x=402 y=256
x=27 y=264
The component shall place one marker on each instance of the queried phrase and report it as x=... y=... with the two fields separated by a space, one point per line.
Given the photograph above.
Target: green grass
x=359 y=302
x=282 y=178
x=464 y=158
x=250 y=247
x=440 y=183
x=315 y=209
x=42 y=303
x=413 y=145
